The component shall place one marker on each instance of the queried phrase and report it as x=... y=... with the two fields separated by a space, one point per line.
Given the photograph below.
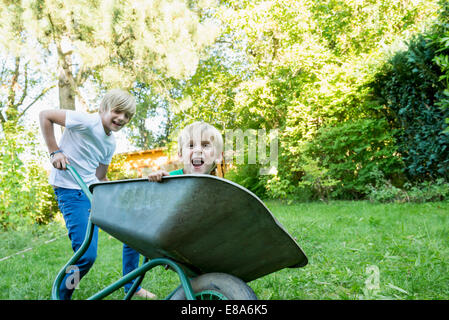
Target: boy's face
x=199 y=154
x=114 y=120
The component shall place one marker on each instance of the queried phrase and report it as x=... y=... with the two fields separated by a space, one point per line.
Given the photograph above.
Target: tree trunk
x=66 y=90
x=12 y=108
x=66 y=93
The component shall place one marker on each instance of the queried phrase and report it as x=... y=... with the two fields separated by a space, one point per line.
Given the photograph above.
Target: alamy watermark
x=372 y=282
x=246 y=147
x=258 y=140
x=73 y=279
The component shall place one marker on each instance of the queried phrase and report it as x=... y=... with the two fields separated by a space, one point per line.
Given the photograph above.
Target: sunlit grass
x=406 y=243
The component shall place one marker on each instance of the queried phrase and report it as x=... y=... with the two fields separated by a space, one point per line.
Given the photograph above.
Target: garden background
x=358 y=91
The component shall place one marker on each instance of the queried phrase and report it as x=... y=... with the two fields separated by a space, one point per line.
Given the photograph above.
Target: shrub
x=419 y=192
x=351 y=151
x=25 y=195
x=439 y=38
x=248 y=176
x=411 y=89
x=118 y=170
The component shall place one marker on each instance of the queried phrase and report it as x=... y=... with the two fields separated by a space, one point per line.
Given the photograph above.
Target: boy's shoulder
x=81 y=119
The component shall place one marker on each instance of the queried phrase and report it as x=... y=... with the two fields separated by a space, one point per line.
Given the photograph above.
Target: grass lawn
x=400 y=250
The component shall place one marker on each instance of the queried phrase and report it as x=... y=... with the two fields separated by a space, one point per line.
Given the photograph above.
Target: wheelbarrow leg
x=136 y=283
x=185 y=282
x=139 y=272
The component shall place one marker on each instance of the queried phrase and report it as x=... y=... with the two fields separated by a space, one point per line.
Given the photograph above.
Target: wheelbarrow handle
x=80 y=182
x=139 y=272
x=84 y=245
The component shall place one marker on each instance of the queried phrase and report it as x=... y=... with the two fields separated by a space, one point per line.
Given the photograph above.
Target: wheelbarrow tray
x=204 y=223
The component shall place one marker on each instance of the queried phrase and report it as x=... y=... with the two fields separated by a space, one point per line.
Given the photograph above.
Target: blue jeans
x=75 y=208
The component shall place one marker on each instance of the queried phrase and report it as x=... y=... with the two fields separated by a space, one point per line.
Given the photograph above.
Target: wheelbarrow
x=215 y=234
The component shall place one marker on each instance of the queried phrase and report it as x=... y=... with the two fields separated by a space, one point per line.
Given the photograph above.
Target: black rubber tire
x=232 y=288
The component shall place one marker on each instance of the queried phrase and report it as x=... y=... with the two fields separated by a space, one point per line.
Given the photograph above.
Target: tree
x=115 y=43
x=306 y=65
x=150 y=105
x=21 y=76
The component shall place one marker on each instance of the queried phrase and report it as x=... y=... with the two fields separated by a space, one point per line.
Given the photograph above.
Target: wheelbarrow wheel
x=217 y=286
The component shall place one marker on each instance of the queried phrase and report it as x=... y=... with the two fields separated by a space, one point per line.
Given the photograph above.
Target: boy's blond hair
x=199 y=128
x=118 y=100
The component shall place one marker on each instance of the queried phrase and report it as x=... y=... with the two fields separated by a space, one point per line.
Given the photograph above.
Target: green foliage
x=317 y=71
x=355 y=27
x=148 y=105
x=304 y=68
x=352 y=150
x=384 y=191
x=314 y=183
x=117 y=169
x=410 y=88
x=25 y=195
x=248 y=177
x=284 y=189
x=439 y=39
x=119 y=42
x=317 y=179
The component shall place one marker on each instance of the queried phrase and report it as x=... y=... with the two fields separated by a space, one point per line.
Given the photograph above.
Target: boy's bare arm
x=46 y=119
x=101 y=172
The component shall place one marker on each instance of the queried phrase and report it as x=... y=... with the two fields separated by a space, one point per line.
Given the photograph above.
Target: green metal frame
x=138 y=273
